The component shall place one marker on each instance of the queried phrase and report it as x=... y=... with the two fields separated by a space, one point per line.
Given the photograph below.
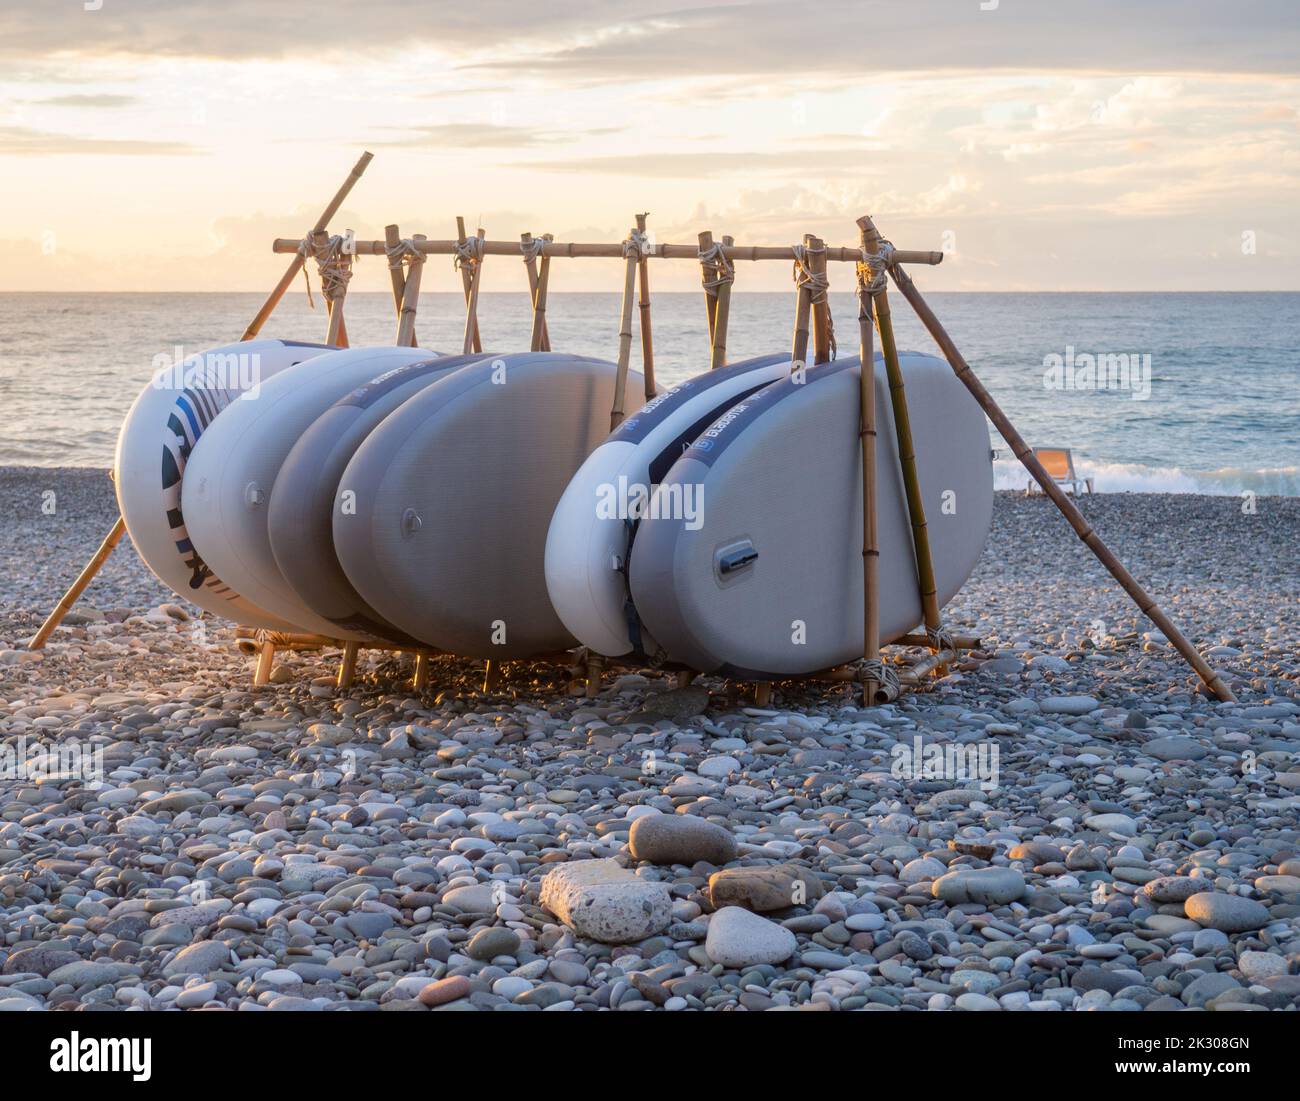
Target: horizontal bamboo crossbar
x=578 y=250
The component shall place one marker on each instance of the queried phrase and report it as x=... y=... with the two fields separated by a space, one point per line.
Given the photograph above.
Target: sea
x=1152 y=392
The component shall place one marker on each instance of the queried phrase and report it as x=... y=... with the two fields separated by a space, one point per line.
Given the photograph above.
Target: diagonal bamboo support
x=1068 y=508
x=397 y=274
x=291 y=273
x=819 y=288
x=78 y=587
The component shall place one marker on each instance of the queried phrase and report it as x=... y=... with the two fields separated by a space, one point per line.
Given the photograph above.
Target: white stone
x=738 y=938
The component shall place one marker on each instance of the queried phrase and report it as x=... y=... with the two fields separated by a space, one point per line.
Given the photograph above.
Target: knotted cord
x=405 y=251
x=532 y=248
x=468 y=251
x=873 y=669
x=714 y=259
x=637 y=244
x=939 y=639
x=333 y=263
x=818 y=284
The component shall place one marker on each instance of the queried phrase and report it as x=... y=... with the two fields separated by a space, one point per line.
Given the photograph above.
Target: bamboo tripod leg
x=624 y=343
x=763 y=693
x=291 y=273
x=265 y=663
x=1068 y=508
x=870 y=547
x=397 y=275
x=472 y=342
x=802 y=311
x=491 y=675
x=540 y=340
x=707 y=273
x=465 y=278
x=410 y=301
x=721 y=315
x=348 y=666
x=871 y=241
x=821 y=309
x=78 y=587
x=420 y=681
x=647 y=337
x=595 y=671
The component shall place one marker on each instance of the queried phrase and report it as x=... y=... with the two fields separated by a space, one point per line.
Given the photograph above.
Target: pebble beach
x=1128 y=843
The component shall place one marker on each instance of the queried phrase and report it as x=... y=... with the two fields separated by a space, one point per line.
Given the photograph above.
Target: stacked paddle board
x=479 y=505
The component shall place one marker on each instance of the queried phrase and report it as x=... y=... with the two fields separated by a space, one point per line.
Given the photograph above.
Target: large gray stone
x=1227 y=913
x=1175 y=749
x=198 y=959
x=601 y=900
x=680 y=839
x=987 y=886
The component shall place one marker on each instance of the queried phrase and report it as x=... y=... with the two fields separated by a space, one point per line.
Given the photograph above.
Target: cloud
x=94 y=101
x=25 y=141
x=622 y=40
x=705 y=165
x=471 y=135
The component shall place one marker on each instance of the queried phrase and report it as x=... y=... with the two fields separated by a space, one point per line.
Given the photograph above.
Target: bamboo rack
x=872 y=257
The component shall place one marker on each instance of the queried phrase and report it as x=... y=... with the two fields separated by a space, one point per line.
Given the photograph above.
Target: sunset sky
x=1092 y=144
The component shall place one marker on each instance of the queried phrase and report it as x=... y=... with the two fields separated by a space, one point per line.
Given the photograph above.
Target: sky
x=1044 y=145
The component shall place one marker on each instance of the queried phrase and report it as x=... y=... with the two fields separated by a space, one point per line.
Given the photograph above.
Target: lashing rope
x=532 y=248
x=405 y=251
x=334 y=265
x=714 y=259
x=468 y=251
x=637 y=245
x=939 y=639
x=873 y=669
x=818 y=284
x=877 y=264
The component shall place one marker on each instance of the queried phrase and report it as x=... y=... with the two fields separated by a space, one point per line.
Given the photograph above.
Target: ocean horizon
x=1172 y=392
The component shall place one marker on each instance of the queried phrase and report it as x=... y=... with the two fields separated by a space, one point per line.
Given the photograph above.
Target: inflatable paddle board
x=454 y=493
x=595 y=522
x=300 y=518
x=769 y=582
x=233 y=468
x=153 y=451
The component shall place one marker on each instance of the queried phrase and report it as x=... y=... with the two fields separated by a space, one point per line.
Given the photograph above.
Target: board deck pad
x=769 y=584
x=454 y=494
x=594 y=523
x=158 y=436
x=233 y=470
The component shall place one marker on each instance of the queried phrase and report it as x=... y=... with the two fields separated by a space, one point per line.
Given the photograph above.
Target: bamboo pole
x=721 y=317
x=542 y=343
x=118 y=529
x=491 y=675
x=1068 y=508
x=265 y=664
x=821 y=308
x=624 y=336
x=410 y=302
x=802 y=310
x=647 y=338
x=291 y=273
x=466 y=280
x=708 y=270
x=420 y=681
x=348 y=666
x=870 y=547
x=540 y=340
x=397 y=275
x=587 y=250
x=334 y=295
x=871 y=242
x=472 y=341
x=78 y=587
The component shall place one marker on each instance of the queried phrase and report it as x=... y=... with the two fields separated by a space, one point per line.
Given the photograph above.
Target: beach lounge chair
x=1059 y=463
